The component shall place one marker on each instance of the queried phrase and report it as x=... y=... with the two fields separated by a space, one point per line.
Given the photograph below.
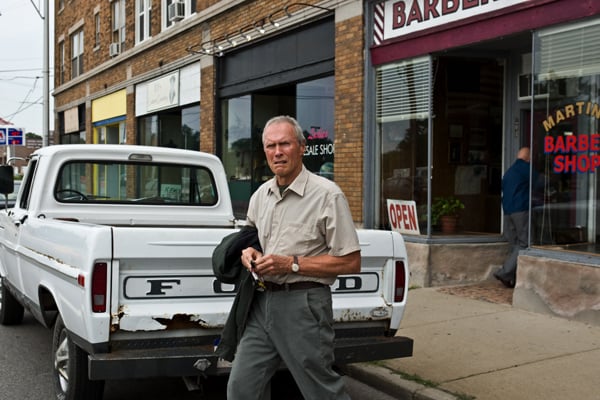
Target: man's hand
x=250 y=254
x=272 y=264
x=322 y=266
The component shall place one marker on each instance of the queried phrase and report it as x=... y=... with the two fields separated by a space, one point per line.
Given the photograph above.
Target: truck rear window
x=135 y=182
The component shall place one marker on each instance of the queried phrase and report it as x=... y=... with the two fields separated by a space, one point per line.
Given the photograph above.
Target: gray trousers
x=516 y=232
x=295 y=327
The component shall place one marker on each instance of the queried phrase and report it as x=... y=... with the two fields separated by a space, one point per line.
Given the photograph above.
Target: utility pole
x=46 y=73
x=46 y=70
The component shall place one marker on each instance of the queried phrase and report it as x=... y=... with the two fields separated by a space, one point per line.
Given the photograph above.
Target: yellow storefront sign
x=110 y=106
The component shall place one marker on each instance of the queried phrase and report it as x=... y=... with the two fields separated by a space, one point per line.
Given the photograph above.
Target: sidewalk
x=473 y=347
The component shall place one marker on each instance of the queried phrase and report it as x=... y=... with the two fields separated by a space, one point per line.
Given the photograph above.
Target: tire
x=70 y=374
x=11 y=311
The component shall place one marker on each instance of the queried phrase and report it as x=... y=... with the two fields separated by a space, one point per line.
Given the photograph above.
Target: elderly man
x=308 y=238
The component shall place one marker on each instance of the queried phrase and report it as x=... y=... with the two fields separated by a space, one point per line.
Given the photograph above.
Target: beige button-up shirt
x=311 y=218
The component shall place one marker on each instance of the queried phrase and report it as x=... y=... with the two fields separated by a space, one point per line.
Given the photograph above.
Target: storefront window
x=236 y=150
x=75 y=134
x=244 y=117
x=73 y=138
x=402 y=111
x=178 y=128
x=314 y=112
x=110 y=132
x=468 y=105
x=463 y=131
x=190 y=128
x=565 y=120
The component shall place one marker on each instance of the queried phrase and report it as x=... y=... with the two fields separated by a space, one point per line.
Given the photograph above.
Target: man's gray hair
x=289 y=120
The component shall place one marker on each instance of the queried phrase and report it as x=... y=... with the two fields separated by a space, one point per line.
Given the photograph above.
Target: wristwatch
x=295 y=266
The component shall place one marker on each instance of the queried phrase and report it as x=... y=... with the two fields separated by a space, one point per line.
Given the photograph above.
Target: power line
x=22 y=107
x=19 y=70
x=12 y=78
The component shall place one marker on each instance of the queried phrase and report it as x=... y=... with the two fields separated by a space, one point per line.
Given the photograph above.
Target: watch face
x=295 y=267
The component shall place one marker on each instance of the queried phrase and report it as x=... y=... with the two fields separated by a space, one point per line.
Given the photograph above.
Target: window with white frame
x=118 y=23
x=176 y=10
x=77 y=53
x=143 y=25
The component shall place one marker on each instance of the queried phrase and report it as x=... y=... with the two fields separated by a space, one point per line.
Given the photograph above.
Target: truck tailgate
x=166 y=281
x=175 y=272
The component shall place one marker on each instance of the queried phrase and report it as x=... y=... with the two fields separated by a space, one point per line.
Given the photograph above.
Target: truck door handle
x=22 y=220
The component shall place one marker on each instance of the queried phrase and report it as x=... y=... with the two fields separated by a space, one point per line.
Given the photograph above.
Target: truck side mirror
x=7 y=179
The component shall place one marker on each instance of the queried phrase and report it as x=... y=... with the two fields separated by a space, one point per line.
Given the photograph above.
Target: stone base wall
x=559 y=288
x=451 y=264
x=544 y=285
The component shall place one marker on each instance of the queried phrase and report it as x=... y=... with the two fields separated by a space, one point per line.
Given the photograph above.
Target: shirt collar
x=297 y=186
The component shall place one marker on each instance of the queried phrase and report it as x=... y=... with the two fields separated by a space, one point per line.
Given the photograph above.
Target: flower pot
x=449 y=223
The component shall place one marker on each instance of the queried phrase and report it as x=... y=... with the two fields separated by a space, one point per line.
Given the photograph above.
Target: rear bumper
x=196 y=360
x=363 y=349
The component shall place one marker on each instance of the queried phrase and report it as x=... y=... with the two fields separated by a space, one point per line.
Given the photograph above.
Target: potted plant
x=445 y=211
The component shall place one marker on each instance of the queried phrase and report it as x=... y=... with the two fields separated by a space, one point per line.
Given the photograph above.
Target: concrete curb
x=393 y=384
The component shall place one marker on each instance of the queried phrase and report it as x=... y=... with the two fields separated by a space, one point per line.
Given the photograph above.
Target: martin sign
x=402 y=17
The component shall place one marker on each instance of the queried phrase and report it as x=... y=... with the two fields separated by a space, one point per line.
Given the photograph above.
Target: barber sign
x=403 y=216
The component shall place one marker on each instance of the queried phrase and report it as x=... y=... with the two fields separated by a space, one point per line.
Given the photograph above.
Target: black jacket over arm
x=228 y=268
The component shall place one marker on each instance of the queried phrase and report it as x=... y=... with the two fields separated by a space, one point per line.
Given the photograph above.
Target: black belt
x=304 y=285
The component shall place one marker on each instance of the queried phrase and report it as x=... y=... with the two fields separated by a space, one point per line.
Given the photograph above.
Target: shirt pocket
x=302 y=238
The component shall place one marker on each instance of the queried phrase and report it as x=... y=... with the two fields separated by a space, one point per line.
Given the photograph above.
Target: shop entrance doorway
x=467 y=138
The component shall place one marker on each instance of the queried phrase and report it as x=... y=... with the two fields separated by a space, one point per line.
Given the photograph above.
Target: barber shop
x=459 y=86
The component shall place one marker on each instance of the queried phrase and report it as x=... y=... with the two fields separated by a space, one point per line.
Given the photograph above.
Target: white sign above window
x=402 y=17
x=163 y=92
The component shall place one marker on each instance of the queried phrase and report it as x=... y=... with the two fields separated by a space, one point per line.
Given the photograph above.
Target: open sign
x=403 y=216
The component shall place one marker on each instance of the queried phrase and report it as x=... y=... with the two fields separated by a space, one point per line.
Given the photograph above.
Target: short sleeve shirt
x=310 y=218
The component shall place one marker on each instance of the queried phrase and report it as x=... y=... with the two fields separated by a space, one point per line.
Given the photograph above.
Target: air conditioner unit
x=176 y=11
x=114 y=49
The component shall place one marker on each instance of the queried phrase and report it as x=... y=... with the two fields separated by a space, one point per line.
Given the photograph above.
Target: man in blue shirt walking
x=515 y=203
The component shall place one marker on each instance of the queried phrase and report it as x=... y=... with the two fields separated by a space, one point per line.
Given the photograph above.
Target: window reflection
x=244 y=117
x=565 y=115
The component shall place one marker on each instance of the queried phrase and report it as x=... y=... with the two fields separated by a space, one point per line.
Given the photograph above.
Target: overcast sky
x=22 y=62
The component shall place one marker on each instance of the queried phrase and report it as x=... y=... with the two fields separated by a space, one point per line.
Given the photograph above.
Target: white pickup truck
x=111 y=246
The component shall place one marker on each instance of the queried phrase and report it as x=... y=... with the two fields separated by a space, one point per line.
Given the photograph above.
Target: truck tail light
x=99 y=279
x=400 y=282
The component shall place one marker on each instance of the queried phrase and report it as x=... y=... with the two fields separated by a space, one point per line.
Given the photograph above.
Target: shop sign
x=403 y=217
x=573 y=152
x=163 y=92
x=401 y=17
x=319 y=152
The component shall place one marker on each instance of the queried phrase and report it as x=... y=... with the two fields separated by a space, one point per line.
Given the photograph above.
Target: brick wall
x=349 y=65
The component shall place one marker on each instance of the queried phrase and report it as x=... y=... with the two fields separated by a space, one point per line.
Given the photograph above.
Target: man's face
x=283 y=151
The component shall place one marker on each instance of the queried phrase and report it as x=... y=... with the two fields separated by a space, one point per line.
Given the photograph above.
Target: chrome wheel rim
x=61 y=362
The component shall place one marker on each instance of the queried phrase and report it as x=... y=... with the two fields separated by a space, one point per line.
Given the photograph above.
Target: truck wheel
x=11 y=311
x=71 y=380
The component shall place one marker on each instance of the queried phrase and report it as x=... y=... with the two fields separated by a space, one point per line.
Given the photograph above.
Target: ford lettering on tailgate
x=197 y=286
